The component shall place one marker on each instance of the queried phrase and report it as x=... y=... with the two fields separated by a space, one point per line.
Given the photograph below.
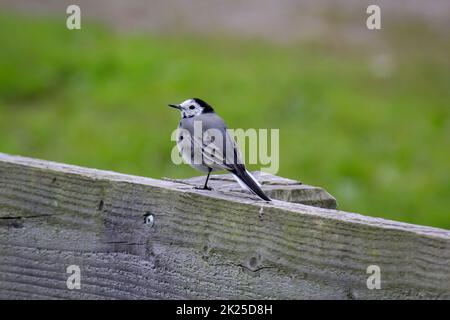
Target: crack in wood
x=27 y=217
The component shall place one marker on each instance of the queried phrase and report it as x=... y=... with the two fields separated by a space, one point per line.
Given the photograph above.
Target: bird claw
x=203 y=188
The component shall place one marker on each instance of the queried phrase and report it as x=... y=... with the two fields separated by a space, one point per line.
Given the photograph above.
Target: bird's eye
x=191 y=107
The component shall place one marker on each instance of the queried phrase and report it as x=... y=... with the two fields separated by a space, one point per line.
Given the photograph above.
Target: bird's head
x=192 y=107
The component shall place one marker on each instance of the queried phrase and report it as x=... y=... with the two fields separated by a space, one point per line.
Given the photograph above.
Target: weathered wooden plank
x=202 y=244
x=275 y=187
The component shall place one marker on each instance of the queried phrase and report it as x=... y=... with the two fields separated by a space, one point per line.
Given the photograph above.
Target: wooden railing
x=134 y=238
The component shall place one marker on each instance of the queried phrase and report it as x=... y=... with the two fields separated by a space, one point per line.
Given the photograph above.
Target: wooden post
x=135 y=238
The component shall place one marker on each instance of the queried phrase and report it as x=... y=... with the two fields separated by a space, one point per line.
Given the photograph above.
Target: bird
x=213 y=149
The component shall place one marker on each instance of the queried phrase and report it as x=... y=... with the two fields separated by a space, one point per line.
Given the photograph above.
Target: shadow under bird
x=213 y=149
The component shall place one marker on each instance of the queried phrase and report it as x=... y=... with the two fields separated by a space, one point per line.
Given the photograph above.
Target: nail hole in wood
x=149 y=219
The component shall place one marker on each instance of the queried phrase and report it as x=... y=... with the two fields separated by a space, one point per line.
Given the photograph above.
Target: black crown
x=206 y=107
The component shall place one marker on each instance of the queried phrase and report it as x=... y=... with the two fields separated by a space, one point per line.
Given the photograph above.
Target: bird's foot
x=203 y=188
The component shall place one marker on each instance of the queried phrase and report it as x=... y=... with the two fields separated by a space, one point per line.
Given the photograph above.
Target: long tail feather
x=248 y=182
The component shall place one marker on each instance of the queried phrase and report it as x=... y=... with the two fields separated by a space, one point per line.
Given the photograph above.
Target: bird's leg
x=207 y=179
x=205 y=187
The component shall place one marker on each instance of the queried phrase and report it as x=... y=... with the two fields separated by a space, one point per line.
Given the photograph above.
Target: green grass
x=98 y=99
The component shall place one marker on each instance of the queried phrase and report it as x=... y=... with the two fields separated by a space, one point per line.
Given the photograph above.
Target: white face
x=190 y=108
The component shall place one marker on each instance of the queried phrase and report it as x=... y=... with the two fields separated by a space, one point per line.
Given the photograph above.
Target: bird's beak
x=175 y=106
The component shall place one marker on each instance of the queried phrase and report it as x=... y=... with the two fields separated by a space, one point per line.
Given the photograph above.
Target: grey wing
x=218 y=147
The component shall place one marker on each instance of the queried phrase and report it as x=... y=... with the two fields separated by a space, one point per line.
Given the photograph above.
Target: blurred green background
x=371 y=127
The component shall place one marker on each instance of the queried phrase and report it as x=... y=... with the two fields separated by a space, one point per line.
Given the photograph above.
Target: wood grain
x=275 y=187
x=201 y=245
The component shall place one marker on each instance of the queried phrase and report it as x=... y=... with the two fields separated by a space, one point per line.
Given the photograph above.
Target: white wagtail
x=204 y=142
